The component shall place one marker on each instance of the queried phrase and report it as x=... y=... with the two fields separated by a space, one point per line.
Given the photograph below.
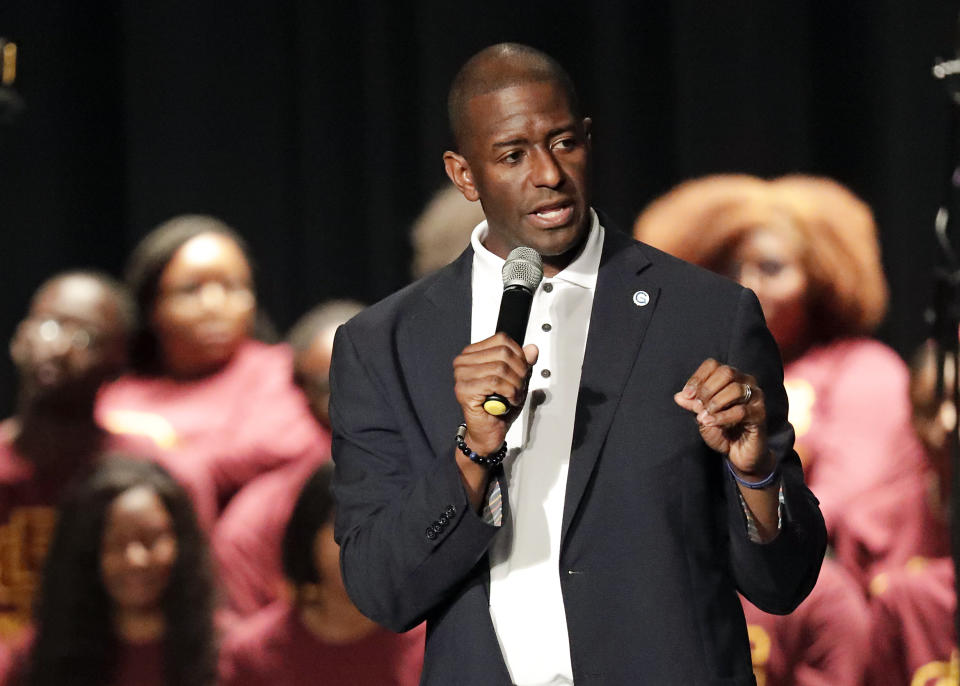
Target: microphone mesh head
x=523 y=268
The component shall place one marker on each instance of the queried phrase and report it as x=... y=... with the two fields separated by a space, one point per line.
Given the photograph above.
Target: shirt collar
x=581 y=272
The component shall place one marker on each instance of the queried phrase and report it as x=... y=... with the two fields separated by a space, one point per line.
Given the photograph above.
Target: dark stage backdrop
x=316 y=128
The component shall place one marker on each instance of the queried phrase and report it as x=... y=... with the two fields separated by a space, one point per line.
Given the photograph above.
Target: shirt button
x=545 y=373
x=546 y=327
x=548 y=287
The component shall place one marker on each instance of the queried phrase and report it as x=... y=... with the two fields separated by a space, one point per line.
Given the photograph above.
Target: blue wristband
x=757 y=485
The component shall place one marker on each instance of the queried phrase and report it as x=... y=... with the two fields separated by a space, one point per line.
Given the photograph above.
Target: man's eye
x=512 y=157
x=565 y=143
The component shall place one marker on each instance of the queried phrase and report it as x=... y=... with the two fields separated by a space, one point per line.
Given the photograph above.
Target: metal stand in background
x=946 y=305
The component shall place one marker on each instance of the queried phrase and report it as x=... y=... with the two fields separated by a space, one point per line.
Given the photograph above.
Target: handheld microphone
x=522 y=273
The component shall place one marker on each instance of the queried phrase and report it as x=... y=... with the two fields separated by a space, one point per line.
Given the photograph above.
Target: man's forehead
x=516 y=105
x=77 y=297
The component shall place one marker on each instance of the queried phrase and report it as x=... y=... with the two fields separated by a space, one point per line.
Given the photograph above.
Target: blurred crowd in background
x=165 y=503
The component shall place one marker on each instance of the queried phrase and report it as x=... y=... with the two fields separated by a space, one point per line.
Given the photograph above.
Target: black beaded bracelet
x=491 y=460
x=763 y=483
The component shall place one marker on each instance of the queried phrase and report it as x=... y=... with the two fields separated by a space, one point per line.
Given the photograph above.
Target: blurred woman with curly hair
x=808 y=248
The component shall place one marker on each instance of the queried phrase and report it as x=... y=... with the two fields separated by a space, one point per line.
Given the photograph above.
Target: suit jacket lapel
x=437 y=329
x=618 y=322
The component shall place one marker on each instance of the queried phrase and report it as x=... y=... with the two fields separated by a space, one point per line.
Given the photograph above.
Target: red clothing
x=824 y=642
x=140 y=664
x=913 y=624
x=6 y=665
x=223 y=430
x=28 y=501
x=274 y=648
x=888 y=526
x=850 y=407
x=248 y=537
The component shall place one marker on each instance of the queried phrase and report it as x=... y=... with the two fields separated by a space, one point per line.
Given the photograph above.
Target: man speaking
x=596 y=532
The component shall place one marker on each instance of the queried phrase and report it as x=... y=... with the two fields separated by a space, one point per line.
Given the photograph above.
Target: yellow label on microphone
x=495 y=407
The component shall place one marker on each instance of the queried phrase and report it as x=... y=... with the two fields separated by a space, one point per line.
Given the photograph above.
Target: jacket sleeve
x=778 y=575
x=408 y=537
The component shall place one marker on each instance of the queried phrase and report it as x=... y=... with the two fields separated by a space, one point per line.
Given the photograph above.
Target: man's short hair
x=325 y=316
x=122 y=299
x=516 y=64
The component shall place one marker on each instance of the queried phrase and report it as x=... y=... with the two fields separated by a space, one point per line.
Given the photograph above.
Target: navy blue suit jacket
x=654 y=544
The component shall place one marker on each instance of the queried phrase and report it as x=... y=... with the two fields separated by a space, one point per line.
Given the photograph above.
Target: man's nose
x=546 y=170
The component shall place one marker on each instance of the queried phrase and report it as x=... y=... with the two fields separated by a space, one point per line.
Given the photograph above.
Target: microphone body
x=522 y=273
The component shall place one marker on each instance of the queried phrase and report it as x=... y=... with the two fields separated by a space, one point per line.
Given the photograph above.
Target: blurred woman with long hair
x=126 y=598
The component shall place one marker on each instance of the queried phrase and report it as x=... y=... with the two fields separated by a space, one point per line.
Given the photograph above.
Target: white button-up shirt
x=526 y=602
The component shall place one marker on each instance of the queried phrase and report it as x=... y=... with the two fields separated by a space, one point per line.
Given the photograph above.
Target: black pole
x=946 y=307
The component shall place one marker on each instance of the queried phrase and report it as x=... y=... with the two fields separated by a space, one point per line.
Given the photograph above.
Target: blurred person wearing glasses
x=222 y=402
x=72 y=340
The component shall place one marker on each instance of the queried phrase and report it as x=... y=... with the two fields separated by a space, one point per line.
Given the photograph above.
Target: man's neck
x=48 y=438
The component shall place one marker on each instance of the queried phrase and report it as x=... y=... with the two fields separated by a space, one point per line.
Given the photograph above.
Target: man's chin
x=561 y=240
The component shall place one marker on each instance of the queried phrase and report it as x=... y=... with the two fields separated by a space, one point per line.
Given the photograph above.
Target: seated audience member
x=808 y=248
x=824 y=642
x=913 y=606
x=319 y=634
x=126 y=597
x=72 y=340
x=203 y=388
x=246 y=541
x=443 y=230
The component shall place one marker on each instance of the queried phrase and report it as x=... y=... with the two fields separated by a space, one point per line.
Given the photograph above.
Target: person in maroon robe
x=808 y=247
x=127 y=592
x=824 y=642
x=220 y=401
x=72 y=340
x=913 y=606
x=318 y=634
x=246 y=540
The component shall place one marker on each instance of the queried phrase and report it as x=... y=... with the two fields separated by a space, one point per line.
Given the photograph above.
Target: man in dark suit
x=646 y=478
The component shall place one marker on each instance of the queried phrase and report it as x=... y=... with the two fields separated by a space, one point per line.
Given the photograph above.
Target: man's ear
x=587 y=126
x=458 y=169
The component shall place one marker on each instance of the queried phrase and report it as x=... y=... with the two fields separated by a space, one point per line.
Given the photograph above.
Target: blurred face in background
x=312 y=374
x=138 y=550
x=768 y=261
x=70 y=343
x=205 y=306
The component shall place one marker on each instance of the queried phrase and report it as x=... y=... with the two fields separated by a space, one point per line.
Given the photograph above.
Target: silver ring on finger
x=747 y=394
